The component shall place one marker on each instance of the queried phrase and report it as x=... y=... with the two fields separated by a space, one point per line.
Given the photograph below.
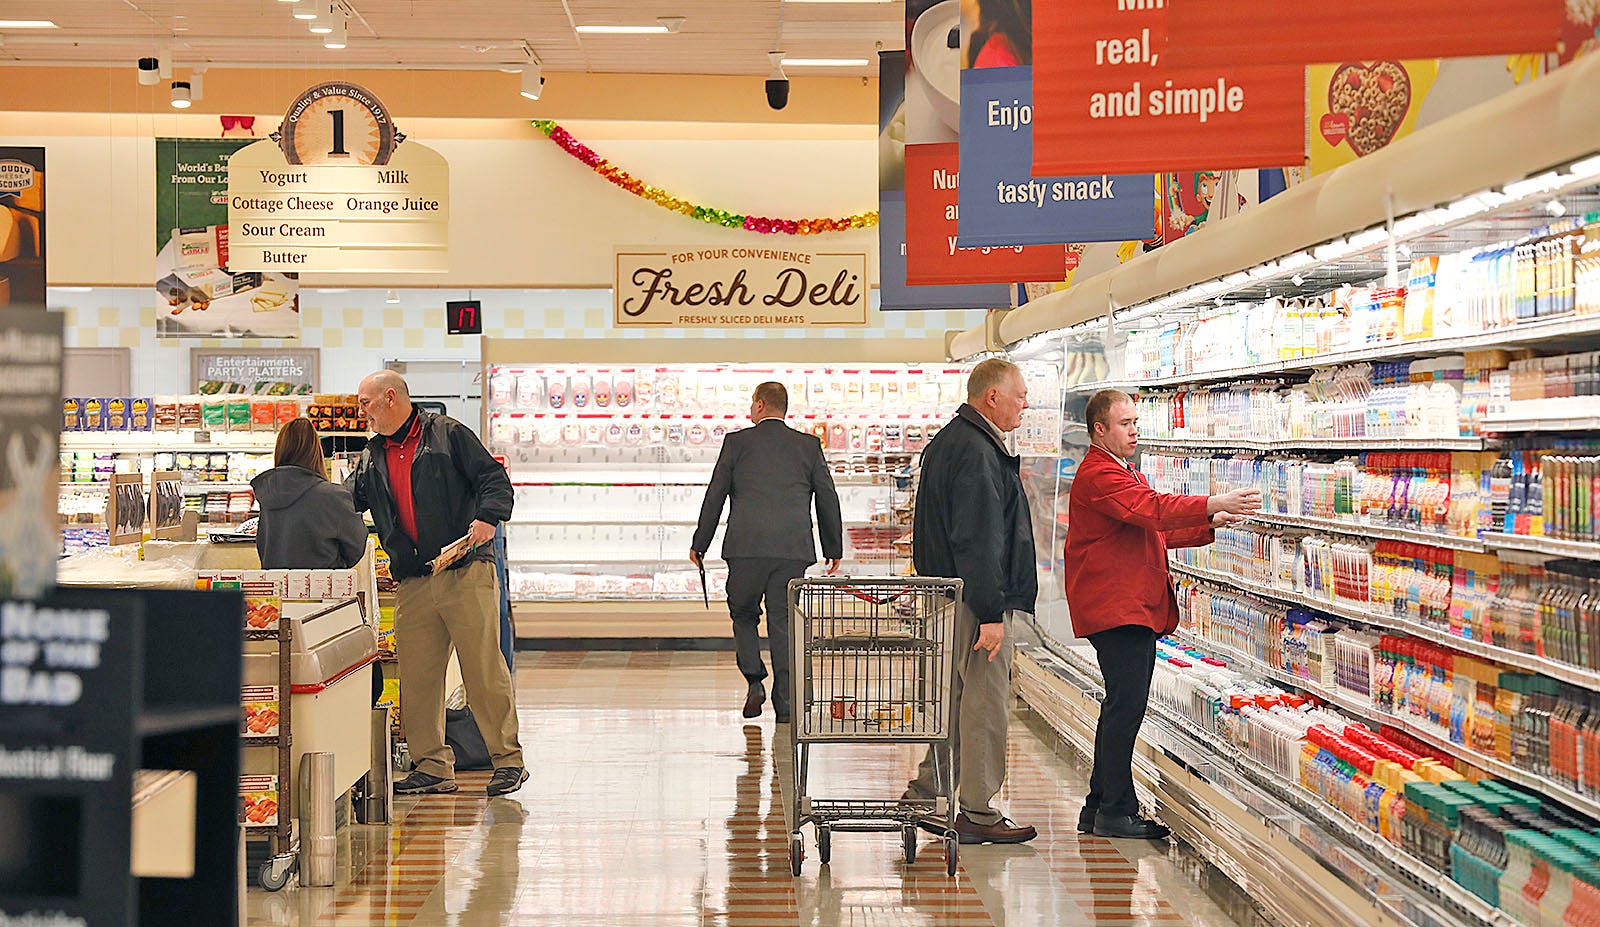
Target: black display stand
x=95 y=684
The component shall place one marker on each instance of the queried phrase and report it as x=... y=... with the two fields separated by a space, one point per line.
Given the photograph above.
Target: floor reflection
x=653 y=803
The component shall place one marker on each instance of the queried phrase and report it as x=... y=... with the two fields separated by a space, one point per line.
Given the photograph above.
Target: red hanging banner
x=932 y=172
x=1107 y=99
x=1204 y=33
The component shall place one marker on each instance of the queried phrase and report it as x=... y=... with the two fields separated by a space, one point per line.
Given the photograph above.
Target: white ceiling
x=717 y=37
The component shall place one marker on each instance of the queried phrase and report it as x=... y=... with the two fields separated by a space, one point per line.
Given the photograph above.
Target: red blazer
x=1118 y=534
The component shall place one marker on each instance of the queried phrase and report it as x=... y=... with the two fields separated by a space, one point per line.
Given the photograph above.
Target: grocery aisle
x=652 y=803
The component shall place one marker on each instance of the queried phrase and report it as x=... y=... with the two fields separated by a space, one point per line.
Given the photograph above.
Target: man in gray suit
x=771 y=472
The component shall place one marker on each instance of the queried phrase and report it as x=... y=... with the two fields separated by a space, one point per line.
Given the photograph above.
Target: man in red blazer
x=1120 y=593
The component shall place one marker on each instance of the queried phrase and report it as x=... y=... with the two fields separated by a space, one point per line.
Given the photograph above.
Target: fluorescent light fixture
x=1360 y=241
x=322 y=25
x=333 y=290
x=337 y=38
x=1531 y=186
x=825 y=62
x=1588 y=167
x=180 y=94
x=1331 y=251
x=1262 y=271
x=27 y=24
x=1238 y=279
x=1295 y=261
x=624 y=30
x=73 y=289
x=305 y=12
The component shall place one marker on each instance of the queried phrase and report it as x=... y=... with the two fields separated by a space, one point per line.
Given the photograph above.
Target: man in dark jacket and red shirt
x=1120 y=593
x=429 y=481
x=972 y=522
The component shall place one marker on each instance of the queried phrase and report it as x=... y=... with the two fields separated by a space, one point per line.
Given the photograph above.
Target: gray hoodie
x=307 y=523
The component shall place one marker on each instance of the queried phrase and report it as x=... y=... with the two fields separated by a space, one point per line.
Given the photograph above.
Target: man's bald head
x=386 y=399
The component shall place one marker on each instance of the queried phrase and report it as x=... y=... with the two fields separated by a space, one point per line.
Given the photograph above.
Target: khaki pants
x=980 y=703
x=457 y=609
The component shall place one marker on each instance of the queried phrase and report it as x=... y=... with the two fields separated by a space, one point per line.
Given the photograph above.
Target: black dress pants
x=750 y=580
x=1127 y=657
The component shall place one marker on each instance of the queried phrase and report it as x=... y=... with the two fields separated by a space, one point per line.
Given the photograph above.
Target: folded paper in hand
x=454 y=551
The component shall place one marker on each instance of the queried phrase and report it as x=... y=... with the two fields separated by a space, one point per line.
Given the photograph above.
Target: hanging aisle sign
x=1002 y=204
x=749 y=286
x=893 y=293
x=1217 y=33
x=202 y=291
x=1110 y=99
x=338 y=189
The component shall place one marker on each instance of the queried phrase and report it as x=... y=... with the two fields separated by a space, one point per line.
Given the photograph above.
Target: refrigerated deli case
x=610 y=446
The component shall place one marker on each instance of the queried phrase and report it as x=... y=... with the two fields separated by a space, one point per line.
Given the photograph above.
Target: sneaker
x=1129 y=826
x=507 y=779
x=1001 y=831
x=420 y=782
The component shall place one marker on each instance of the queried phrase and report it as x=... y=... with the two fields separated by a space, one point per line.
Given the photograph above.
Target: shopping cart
x=873 y=659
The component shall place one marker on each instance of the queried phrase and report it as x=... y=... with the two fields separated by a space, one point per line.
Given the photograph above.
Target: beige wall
x=523 y=212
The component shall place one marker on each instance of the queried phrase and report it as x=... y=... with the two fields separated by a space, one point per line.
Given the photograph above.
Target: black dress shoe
x=1086 y=820
x=754 y=699
x=1129 y=826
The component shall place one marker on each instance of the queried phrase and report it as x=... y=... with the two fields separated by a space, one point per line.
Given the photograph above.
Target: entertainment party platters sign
x=338 y=189
x=755 y=286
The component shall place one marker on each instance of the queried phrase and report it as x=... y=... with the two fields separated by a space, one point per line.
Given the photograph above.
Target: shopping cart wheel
x=951 y=850
x=797 y=853
x=909 y=835
x=824 y=843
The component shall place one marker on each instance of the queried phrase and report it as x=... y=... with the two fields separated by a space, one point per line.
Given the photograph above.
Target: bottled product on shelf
x=1507 y=844
x=1554 y=273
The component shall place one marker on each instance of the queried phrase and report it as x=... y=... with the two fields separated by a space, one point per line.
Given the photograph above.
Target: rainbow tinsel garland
x=660 y=197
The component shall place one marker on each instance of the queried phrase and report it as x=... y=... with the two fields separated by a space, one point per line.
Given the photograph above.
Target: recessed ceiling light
x=27 y=24
x=825 y=62
x=624 y=30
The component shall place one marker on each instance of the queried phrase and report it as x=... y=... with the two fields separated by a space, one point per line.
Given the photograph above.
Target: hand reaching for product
x=1223 y=519
x=1237 y=502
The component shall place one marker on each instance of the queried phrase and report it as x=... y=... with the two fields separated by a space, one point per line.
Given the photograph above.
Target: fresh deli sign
x=740 y=287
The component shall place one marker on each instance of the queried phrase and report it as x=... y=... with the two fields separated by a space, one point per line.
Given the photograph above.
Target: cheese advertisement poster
x=199 y=295
x=22 y=238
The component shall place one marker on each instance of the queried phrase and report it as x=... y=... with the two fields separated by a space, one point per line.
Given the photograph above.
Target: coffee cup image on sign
x=933 y=73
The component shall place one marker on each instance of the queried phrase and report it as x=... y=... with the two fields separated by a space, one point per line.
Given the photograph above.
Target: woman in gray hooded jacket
x=306 y=523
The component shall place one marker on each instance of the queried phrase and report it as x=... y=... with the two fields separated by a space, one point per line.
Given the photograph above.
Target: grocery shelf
x=1523 y=334
x=1350 y=444
x=1542 y=423
x=1422 y=731
x=1361 y=529
x=1554 y=547
x=136 y=442
x=1386 y=876
x=1533 y=663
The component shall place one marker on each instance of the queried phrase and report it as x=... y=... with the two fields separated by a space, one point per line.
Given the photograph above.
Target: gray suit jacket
x=771 y=472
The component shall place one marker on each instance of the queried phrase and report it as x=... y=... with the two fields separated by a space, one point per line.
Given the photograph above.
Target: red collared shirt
x=399 y=455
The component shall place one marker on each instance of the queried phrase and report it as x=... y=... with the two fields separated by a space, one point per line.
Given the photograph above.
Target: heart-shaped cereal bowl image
x=1375 y=96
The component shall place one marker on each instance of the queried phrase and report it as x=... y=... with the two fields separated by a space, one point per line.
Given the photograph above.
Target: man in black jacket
x=972 y=522
x=428 y=481
x=772 y=473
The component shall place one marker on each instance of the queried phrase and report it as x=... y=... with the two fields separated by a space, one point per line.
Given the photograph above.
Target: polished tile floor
x=652 y=802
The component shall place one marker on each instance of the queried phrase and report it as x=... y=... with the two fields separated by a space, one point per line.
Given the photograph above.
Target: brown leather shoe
x=1001 y=831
